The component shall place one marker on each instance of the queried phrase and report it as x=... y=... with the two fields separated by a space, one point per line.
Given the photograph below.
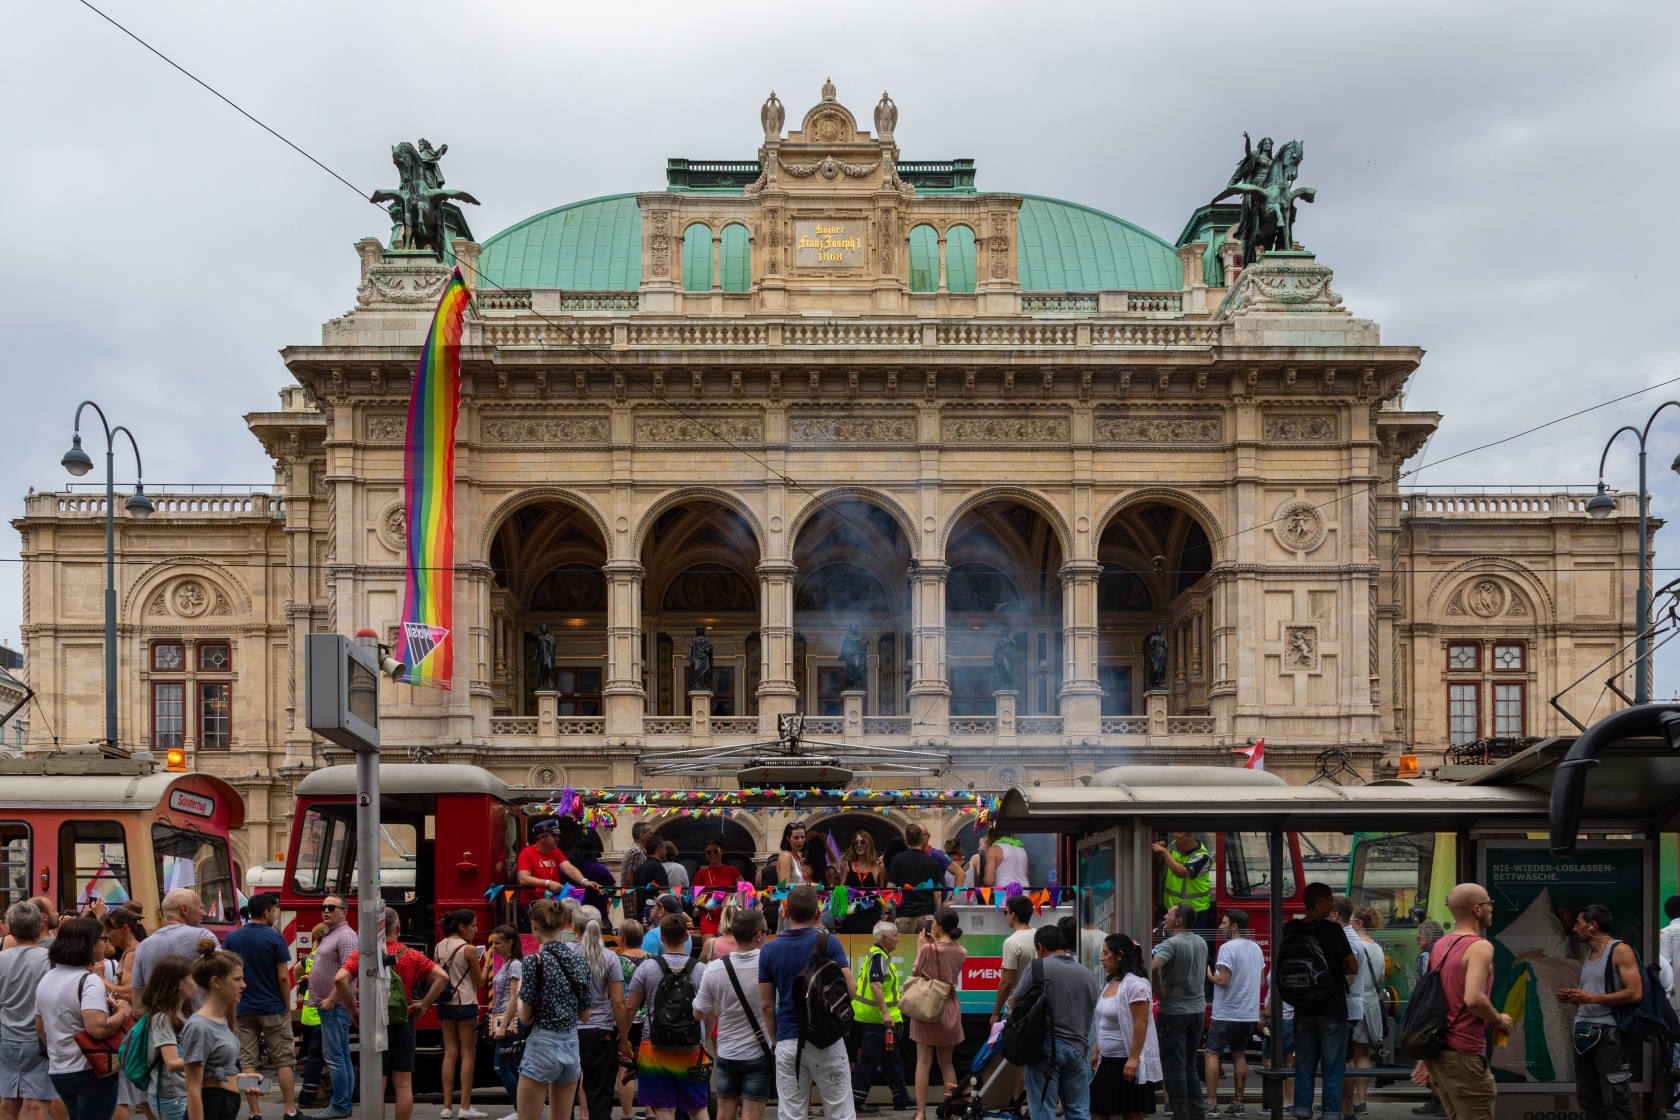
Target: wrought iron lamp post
x=77 y=462
x=1603 y=505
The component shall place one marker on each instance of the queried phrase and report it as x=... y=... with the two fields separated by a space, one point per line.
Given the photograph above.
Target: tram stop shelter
x=1489 y=824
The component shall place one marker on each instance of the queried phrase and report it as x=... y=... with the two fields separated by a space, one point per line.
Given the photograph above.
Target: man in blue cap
x=540 y=866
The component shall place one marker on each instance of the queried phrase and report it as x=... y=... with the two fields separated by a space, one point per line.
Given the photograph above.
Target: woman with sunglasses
x=864 y=874
x=68 y=1000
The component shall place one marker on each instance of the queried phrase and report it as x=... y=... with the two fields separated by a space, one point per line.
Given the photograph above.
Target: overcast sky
x=1495 y=181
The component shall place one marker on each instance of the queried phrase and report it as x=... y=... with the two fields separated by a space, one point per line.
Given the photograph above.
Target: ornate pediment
x=829 y=122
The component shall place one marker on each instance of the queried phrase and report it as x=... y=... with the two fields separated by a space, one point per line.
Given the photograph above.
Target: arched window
x=959 y=259
x=736 y=263
x=924 y=259
x=697 y=258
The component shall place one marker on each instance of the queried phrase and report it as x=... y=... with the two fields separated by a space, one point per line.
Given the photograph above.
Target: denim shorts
x=551 y=1057
x=1288 y=1040
x=456 y=1012
x=23 y=1072
x=749 y=1078
x=1225 y=1036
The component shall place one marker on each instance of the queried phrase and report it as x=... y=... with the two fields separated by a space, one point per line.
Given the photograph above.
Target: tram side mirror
x=1670 y=724
x=341 y=692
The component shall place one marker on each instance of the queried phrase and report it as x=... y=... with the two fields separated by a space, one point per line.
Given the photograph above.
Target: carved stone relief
x=851 y=429
x=1000 y=246
x=384 y=427
x=1302 y=427
x=545 y=429
x=1004 y=429
x=1300 y=649
x=190 y=598
x=391 y=526
x=1486 y=597
x=1299 y=526
x=710 y=429
x=1158 y=429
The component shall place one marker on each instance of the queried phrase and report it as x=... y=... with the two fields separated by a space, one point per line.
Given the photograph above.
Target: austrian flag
x=1256 y=755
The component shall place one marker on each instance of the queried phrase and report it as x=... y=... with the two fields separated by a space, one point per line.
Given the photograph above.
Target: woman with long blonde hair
x=600 y=1048
x=866 y=873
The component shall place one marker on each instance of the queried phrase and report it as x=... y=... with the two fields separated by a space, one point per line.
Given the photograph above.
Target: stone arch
x=514 y=502
x=698 y=493
x=144 y=589
x=882 y=501
x=1448 y=581
x=1167 y=496
x=1032 y=499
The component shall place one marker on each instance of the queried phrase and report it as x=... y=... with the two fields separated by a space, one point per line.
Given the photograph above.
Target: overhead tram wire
x=786 y=479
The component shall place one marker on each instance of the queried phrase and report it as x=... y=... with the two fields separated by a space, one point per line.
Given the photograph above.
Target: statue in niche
x=1155 y=649
x=855 y=654
x=1267 y=186
x=548 y=678
x=1003 y=660
x=423 y=214
x=700 y=661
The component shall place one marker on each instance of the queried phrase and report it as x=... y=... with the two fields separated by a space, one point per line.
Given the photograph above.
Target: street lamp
x=1602 y=505
x=77 y=462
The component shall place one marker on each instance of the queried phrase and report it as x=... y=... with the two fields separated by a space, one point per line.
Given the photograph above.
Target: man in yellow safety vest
x=1187 y=876
x=876 y=1016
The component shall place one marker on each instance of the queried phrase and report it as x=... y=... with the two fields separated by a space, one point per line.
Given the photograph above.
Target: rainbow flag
x=429 y=494
x=106 y=885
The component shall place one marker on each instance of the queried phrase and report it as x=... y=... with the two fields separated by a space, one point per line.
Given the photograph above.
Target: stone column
x=1081 y=691
x=1155 y=703
x=548 y=706
x=942 y=286
x=851 y=707
x=929 y=696
x=1004 y=699
x=776 y=694
x=717 y=262
x=624 y=697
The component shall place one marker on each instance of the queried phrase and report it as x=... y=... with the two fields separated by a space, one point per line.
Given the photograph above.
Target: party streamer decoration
x=429 y=495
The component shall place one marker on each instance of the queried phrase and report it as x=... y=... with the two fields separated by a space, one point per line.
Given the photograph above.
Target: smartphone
x=250 y=1081
x=927 y=925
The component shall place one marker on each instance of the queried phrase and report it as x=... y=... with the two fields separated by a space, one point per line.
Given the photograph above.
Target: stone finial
x=828 y=89
x=771 y=117
x=886 y=117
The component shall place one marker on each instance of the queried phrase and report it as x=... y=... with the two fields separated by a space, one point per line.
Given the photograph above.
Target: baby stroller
x=992 y=1088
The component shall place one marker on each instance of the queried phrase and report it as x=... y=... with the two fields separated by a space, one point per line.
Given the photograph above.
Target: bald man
x=1459 y=1074
x=183 y=910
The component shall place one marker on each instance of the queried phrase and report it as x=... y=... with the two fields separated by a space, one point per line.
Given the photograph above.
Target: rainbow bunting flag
x=429 y=495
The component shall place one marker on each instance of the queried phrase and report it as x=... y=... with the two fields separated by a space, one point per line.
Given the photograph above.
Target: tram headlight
x=176 y=760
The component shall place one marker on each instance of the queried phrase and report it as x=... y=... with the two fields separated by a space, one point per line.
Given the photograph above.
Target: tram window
x=1248 y=866
x=14 y=863
x=196 y=862
x=92 y=859
x=1391 y=875
x=323 y=838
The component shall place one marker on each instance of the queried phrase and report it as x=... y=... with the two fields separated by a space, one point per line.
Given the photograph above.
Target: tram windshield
x=1391 y=873
x=197 y=862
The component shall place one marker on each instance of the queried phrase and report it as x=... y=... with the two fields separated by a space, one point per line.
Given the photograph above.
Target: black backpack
x=1027 y=1032
x=673 y=1023
x=821 y=1000
x=1653 y=1016
x=1303 y=974
x=1423 y=1033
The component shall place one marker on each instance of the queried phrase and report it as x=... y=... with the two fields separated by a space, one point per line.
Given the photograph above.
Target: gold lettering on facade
x=830 y=243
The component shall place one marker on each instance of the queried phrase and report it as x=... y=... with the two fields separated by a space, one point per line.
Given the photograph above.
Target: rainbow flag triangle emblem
x=419 y=640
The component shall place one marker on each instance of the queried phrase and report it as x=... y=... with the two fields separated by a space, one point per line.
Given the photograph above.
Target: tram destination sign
x=831 y=243
x=198 y=804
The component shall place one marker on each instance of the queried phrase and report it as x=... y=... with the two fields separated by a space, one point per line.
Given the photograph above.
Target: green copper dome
x=593 y=246
x=597 y=246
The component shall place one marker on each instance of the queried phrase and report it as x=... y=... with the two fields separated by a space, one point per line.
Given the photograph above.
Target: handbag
x=925 y=997
x=101 y=1053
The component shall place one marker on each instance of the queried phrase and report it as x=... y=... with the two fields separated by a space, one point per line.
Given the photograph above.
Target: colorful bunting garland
x=593 y=807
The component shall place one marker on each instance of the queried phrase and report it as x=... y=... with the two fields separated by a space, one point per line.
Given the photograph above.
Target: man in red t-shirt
x=1459 y=1074
x=410 y=968
x=719 y=876
x=540 y=866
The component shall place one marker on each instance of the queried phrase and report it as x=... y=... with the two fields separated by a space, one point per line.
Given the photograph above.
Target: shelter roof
x=406 y=778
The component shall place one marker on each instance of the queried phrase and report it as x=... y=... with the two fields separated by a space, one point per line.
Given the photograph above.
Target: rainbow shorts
x=663 y=1081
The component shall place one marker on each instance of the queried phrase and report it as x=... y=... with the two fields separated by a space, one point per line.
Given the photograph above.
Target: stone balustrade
x=1508 y=504
x=72 y=504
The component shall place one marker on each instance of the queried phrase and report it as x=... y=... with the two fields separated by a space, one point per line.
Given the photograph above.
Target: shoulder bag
x=102 y=1054
x=752 y=1016
x=925 y=996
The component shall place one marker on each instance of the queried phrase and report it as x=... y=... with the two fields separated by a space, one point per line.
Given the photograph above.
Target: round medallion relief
x=1486 y=598
x=1298 y=525
x=622 y=524
x=391 y=526
x=1005 y=776
x=190 y=599
x=547 y=776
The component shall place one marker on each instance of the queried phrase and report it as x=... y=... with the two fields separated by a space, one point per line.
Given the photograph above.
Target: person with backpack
x=746 y=1062
x=805 y=987
x=1178 y=974
x=1069 y=994
x=410 y=971
x=171 y=993
x=1611 y=979
x=1447 y=1016
x=670 y=1058
x=553 y=1000
x=1314 y=964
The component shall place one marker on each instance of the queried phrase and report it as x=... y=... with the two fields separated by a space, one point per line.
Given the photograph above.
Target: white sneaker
x=511 y=1116
x=447 y=1114
x=472 y=1114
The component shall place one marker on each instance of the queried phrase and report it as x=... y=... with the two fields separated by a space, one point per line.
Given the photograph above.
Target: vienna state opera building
x=1007 y=438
